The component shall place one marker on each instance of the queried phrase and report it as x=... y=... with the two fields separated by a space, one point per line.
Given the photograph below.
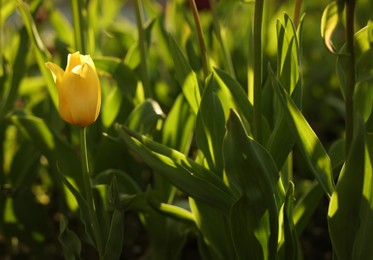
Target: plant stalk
x=350 y=73
x=142 y=46
x=80 y=34
x=258 y=69
x=88 y=192
x=226 y=55
x=202 y=46
x=298 y=5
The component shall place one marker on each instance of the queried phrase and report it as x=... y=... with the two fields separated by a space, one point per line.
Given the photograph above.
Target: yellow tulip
x=79 y=89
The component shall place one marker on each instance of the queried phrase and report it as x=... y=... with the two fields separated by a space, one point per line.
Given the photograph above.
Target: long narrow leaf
x=253 y=218
x=186 y=175
x=314 y=153
x=344 y=209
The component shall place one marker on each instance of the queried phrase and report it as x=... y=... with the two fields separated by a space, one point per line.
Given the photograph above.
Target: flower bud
x=78 y=88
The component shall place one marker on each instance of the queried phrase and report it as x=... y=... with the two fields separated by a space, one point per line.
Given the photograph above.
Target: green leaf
x=125 y=77
x=70 y=242
x=190 y=177
x=177 y=132
x=41 y=52
x=58 y=153
x=186 y=76
x=114 y=245
x=314 y=153
x=170 y=210
x=111 y=106
x=363 y=65
x=83 y=209
x=210 y=130
x=253 y=218
x=126 y=185
x=332 y=16
x=60 y=24
x=344 y=217
x=9 y=95
x=289 y=58
x=362 y=246
x=288 y=239
x=214 y=226
x=337 y=153
x=231 y=95
x=144 y=117
x=23 y=174
x=306 y=205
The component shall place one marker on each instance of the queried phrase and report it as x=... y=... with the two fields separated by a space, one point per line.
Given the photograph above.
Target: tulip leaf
x=83 y=209
x=111 y=106
x=114 y=245
x=70 y=242
x=186 y=76
x=210 y=130
x=41 y=52
x=231 y=95
x=125 y=77
x=288 y=238
x=207 y=219
x=253 y=217
x=9 y=95
x=362 y=247
x=363 y=65
x=170 y=210
x=306 y=205
x=331 y=18
x=126 y=185
x=310 y=146
x=346 y=204
x=144 y=117
x=22 y=174
x=178 y=127
x=337 y=153
x=58 y=153
x=188 y=176
x=289 y=57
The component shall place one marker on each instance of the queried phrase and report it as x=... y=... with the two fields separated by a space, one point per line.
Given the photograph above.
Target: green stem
x=142 y=46
x=217 y=29
x=78 y=9
x=89 y=193
x=298 y=5
x=258 y=67
x=202 y=46
x=350 y=71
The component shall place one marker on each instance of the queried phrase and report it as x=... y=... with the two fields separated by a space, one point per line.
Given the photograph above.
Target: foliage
x=220 y=134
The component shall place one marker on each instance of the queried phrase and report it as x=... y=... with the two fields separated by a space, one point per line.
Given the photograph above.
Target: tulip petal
x=87 y=59
x=57 y=72
x=73 y=60
x=81 y=87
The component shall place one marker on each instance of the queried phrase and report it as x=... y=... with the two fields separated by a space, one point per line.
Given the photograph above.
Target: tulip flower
x=78 y=88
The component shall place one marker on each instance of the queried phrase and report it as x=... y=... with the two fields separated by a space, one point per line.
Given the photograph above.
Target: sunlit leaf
x=178 y=127
x=144 y=117
x=185 y=174
x=344 y=217
x=41 y=52
x=288 y=239
x=186 y=76
x=331 y=17
x=316 y=157
x=207 y=219
x=210 y=130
